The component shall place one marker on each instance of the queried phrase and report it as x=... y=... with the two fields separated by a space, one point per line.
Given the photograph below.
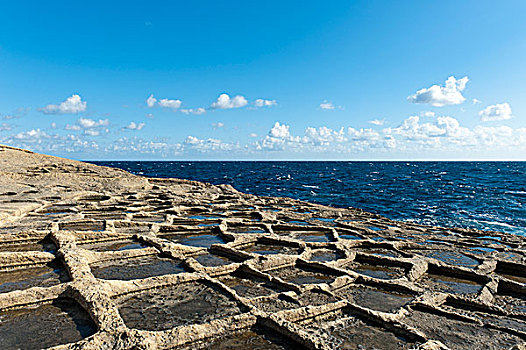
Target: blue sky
x=273 y=80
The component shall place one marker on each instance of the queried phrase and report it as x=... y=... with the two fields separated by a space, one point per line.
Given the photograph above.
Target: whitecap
x=497 y=223
x=516 y=192
x=310 y=186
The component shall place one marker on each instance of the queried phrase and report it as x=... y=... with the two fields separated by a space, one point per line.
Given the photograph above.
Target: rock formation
x=97 y=258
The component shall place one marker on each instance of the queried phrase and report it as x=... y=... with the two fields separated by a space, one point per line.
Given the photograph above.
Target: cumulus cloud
x=264 y=103
x=135 y=145
x=164 y=103
x=193 y=143
x=324 y=135
x=439 y=96
x=441 y=134
x=197 y=111
x=134 y=126
x=225 y=102
x=150 y=101
x=279 y=131
x=33 y=135
x=218 y=125
x=362 y=134
x=87 y=123
x=320 y=139
x=427 y=114
x=377 y=122
x=72 y=105
x=279 y=138
x=412 y=129
x=253 y=134
x=167 y=103
x=327 y=105
x=40 y=141
x=500 y=111
x=475 y=101
x=91 y=132
x=192 y=140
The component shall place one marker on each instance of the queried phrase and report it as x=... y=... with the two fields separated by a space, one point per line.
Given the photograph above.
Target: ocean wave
x=471 y=195
x=310 y=186
x=497 y=223
x=516 y=192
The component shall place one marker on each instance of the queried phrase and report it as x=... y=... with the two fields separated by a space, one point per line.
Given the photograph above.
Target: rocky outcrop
x=97 y=258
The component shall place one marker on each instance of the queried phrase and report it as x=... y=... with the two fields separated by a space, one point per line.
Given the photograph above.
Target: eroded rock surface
x=93 y=257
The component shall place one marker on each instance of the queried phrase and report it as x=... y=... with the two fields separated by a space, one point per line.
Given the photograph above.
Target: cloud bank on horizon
x=427 y=132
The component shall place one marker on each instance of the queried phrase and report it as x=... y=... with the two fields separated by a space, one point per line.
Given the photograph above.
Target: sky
x=273 y=80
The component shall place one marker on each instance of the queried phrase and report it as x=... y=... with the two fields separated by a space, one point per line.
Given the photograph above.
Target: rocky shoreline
x=97 y=258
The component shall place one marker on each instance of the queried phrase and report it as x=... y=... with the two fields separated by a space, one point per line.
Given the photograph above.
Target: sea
x=480 y=195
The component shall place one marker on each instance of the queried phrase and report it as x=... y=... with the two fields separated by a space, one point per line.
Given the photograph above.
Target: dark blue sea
x=482 y=195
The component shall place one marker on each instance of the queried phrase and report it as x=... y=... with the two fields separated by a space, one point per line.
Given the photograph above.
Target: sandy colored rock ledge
x=97 y=258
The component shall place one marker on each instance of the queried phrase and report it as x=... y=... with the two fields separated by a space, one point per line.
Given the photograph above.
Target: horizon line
x=304 y=160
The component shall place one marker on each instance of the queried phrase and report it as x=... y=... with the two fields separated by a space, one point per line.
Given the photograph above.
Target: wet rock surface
x=94 y=257
x=30 y=328
x=178 y=305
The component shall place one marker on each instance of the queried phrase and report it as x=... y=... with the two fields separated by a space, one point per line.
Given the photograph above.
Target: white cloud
x=72 y=105
x=87 y=123
x=134 y=145
x=279 y=131
x=193 y=143
x=197 y=111
x=150 y=101
x=225 y=102
x=427 y=114
x=5 y=127
x=413 y=137
x=475 y=101
x=253 y=134
x=164 y=103
x=279 y=138
x=150 y=115
x=324 y=135
x=135 y=126
x=362 y=134
x=218 y=125
x=442 y=134
x=377 y=121
x=412 y=129
x=53 y=125
x=500 y=111
x=264 y=103
x=33 y=135
x=39 y=141
x=438 y=96
x=167 y=103
x=91 y=132
x=327 y=105
x=191 y=140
